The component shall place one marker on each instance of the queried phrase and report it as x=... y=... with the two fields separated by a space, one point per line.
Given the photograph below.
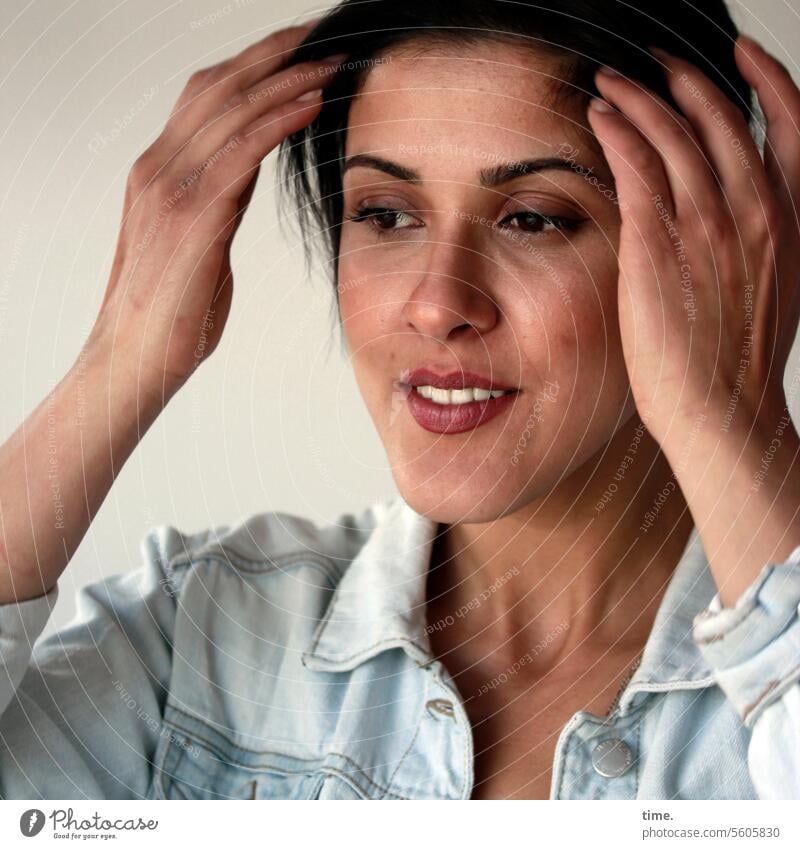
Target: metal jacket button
x=612 y=757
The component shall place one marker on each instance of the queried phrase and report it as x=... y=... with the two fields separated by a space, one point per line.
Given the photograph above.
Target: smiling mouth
x=456 y=410
x=467 y=395
x=454 y=402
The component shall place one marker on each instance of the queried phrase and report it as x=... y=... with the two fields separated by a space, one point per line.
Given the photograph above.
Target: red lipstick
x=454 y=418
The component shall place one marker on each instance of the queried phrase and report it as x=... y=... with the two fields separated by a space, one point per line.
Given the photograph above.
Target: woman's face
x=476 y=263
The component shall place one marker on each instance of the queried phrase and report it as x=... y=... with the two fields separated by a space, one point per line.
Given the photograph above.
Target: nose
x=447 y=299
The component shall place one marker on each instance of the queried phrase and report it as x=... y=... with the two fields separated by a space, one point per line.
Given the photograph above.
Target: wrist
x=696 y=434
x=127 y=375
x=742 y=486
x=111 y=401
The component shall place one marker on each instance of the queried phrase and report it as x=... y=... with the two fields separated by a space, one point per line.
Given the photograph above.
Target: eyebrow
x=489 y=177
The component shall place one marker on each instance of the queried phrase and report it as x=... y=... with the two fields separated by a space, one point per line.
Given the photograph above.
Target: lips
x=452 y=380
x=437 y=417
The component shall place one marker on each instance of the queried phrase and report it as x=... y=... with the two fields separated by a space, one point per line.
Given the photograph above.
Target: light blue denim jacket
x=278 y=659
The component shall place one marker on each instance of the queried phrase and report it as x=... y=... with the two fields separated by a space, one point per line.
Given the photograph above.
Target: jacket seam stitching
x=179 y=575
x=256 y=565
x=638 y=757
x=214 y=749
x=411 y=743
x=562 y=768
x=363 y=652
x=764 y=699
x=348 y=779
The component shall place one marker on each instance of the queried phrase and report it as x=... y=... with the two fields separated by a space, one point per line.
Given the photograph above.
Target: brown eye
x=536 y=222
x=383 y=218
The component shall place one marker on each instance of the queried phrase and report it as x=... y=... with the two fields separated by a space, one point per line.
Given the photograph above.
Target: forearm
x=58 y=466
x=742 y=487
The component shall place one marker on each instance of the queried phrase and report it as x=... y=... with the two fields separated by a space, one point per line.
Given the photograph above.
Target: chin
x=473 y=497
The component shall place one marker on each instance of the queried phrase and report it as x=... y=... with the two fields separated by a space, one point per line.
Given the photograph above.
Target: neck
x=582 y=568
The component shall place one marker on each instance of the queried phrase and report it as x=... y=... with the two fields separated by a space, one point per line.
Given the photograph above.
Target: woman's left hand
x=709 y=285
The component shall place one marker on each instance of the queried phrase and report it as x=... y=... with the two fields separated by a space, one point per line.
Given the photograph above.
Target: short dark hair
x=587 y=33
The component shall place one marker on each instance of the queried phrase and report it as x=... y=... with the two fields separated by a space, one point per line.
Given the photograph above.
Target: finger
x=267 y=56
x=243 y=108
x=228 y=169
x=640 y=179
x=692 y=183
x=779 y=99
x=720 y=127
x=209 y=88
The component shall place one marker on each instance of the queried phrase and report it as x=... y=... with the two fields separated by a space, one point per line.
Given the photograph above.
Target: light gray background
x=274 y=420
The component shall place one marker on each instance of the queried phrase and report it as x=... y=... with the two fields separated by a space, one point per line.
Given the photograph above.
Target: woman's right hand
x=170 y=287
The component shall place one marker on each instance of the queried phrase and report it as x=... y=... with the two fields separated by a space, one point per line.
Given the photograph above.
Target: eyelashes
x=380 y=220
x=376 y=217
x=540 y=223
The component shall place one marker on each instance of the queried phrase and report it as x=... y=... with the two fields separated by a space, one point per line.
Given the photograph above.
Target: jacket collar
x=379 y=604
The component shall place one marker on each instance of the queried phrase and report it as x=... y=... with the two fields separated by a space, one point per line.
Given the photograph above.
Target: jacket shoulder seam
x=254 y=566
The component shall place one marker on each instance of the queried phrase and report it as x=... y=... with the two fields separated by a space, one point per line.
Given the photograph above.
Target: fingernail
x=336 y=58
x=310 y=95
x=659 y=53
x=609 y=72
x=600 y=105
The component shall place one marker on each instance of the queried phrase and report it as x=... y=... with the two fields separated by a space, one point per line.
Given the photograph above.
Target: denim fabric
x=279 y=659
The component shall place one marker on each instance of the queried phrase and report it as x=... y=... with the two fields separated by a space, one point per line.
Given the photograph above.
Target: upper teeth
x=458 y=396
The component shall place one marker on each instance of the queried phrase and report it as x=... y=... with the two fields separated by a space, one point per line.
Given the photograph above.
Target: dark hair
x=587 y=33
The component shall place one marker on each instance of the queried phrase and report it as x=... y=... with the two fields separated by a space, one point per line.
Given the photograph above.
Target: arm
x=58 y=466
x=164 y=307
x=80 y=713
x=712 y=391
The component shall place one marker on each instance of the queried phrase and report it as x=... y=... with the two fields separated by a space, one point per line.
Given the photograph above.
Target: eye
x=383 y=218
x=537 y=222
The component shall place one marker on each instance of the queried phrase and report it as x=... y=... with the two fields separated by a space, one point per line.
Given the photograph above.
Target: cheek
x=366 y=311
x=368 y=296
x=365 y=308
x=568 y=305
x=570 y=331
x=592 y=346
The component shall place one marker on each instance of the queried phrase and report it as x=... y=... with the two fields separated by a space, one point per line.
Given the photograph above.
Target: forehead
x=459 y=106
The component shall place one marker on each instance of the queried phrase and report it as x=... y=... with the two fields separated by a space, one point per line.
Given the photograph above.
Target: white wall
x=274 y=419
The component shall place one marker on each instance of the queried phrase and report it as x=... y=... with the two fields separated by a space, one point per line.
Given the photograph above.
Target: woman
x=563 y=271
